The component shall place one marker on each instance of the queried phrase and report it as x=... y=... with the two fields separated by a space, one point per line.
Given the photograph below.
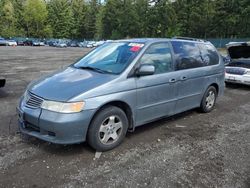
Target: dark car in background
x=2 y=82
x=238 y=68
x=28 y=43
x=20 y=43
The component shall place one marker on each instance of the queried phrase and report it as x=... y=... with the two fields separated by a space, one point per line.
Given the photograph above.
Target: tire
x=108 y=129
x=209 y=100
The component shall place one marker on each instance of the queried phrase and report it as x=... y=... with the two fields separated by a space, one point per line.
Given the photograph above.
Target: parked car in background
x=238 y=69
x=119 y=86
x=11 y=43
x=37 y=43
x=61 y=44
x=20 y=43
x=28 y=42
x=83 y=44
x=3 y=42
x=2 y=82
x=73 y=44
x=98 y=43
x=90 y=44
x=52 y=42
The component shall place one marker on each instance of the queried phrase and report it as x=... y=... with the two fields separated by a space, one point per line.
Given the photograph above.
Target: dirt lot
x=188 y=150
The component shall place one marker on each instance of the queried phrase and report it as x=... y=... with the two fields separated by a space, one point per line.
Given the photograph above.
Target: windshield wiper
x=94 y=69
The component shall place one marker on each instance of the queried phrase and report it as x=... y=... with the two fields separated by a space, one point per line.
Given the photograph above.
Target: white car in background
x=61 y=44
x=90 y=44
x=238 y=69
x=99 y=43
x=11 y=43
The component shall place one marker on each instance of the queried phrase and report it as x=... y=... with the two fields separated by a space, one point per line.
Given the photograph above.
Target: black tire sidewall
x=203 y=103
x=93 y=132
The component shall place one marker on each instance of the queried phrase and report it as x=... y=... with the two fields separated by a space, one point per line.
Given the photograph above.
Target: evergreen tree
x=7 y=19
x=60 y=18
x=79 y=13
x=35 y=16
x=90 y=19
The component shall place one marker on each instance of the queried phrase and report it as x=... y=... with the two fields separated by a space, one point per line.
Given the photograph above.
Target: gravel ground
x=188 y=150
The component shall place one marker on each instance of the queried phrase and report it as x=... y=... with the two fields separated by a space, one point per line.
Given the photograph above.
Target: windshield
x=111 y=57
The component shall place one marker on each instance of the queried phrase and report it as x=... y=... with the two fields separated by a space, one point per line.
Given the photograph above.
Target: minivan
x=119 y=86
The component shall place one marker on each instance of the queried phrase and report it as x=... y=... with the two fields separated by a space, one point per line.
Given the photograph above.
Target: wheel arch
x=216 y=87
x=122 y=105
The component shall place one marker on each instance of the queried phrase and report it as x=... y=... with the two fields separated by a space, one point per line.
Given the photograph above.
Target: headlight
x=70 y=107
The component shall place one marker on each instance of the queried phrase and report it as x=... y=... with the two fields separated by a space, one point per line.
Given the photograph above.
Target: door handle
x=173 y=80
x=183 y=78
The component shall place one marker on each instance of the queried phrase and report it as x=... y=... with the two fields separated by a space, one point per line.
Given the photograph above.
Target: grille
x=33 y=101
x=238 y=71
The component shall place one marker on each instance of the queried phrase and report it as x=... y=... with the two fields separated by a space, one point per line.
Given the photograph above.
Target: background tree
x=141 y=10
x=79 y=10
x=90 y=19
x=35 y=17
x=7 y=19
x=110 y=19
x=125 y=18
x=60 y=18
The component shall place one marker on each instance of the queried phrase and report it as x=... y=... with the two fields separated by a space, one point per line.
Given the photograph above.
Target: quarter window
x=160 y=56
x=209 y=54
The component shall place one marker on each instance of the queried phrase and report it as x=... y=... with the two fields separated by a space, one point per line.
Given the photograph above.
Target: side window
x=209 y=54
x=187 y=55
x=160 y=56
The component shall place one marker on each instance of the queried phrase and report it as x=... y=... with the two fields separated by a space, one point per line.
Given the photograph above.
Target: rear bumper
x=239 y=79
x=54 y=127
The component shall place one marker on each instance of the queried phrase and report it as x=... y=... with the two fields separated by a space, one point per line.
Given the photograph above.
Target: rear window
x=209 y=54
x=187 y=55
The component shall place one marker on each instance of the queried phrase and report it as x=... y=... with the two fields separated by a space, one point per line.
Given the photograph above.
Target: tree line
x=113 y=19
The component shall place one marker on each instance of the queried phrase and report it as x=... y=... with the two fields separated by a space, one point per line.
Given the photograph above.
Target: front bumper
x=239 y=79
x=54 y=127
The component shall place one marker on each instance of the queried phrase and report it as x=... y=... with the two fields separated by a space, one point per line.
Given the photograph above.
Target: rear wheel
x=209 y=99
x=108 y=129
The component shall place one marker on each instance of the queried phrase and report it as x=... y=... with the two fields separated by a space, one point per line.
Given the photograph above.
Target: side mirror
x=145 y=70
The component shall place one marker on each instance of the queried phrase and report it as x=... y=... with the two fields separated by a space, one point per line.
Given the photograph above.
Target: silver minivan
x=119 y=86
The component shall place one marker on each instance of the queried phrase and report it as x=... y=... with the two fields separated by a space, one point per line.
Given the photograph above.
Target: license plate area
x=231 y=78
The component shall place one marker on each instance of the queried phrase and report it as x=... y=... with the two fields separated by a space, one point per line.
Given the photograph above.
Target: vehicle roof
x=150 y=40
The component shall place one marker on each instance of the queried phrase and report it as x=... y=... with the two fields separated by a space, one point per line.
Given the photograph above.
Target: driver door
x=156 y=94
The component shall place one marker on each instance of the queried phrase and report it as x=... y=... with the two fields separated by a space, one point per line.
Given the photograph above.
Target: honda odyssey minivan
x=119 y=86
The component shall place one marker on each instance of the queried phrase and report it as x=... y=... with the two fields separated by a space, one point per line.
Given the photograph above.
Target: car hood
x=238 y=51
x=66 y=84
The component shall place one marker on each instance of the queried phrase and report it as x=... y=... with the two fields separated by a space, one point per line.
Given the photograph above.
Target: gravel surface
x=188 y=150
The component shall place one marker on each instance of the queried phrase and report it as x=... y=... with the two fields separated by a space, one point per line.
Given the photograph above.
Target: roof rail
x=189 y=38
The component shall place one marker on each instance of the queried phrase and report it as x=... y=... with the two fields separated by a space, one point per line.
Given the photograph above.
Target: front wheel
x=209 y=99
x=107 y=129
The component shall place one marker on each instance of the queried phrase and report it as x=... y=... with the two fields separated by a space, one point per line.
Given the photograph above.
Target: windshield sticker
x=136 y=44
x=135 y=48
